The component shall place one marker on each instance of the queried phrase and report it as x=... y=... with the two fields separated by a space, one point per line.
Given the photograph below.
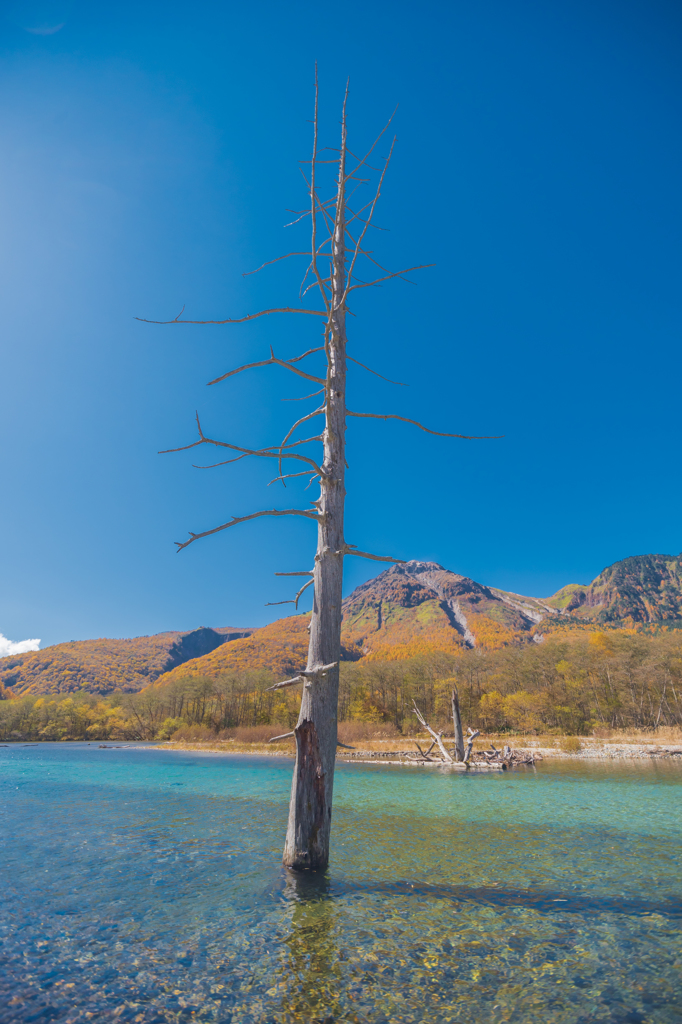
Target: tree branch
x=296 y=359
x=265 y=453
x=374 y=372
x=350 y=549
x=369 y=221
x=438 y=433
x=313 y=203
x=309 y=416
x=277 y=260
x=285 y=476
x=238 y=320
x=273 y=361
x=294 y=601
x=284 y=736
x=303 y=675
x=398 y=273
x=304 y=397
x=235 y=521
x=372 y=147
x=436 y=736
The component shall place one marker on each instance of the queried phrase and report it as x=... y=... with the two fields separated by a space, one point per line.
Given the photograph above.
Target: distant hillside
x=281 y=647
x=416 y=606
x=101 y=666
x=408 y=610
x=419 y=607
x=634 y=591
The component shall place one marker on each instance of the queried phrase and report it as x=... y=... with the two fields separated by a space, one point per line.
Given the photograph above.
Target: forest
x=571 y=684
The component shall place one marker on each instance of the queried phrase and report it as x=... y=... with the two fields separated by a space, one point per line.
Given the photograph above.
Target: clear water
x=142 y=885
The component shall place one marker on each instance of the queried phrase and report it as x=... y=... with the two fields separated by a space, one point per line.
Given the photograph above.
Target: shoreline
x=590 y=752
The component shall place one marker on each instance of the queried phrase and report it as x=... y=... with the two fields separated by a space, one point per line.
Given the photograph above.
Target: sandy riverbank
x=590 y=749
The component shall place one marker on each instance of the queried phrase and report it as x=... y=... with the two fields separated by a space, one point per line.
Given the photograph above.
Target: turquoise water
x=144 y=885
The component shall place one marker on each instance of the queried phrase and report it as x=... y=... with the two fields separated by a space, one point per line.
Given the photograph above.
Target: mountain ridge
x=410 y=609
x=104 y=665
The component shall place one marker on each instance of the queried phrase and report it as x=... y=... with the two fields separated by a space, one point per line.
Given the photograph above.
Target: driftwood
x=506 y=757
x=437 y=737
x=492 y=758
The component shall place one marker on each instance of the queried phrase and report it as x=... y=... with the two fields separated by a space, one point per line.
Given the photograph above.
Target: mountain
x=637 y=590
x=101 y=666
x=281 y=648
x=415 y=605
x=410 y=609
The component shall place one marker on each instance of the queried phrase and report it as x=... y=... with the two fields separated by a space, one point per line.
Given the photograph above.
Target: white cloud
x=8 y=647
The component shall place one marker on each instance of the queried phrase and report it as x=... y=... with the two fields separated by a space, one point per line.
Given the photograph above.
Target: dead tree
x=338 y=245
x=457 y=721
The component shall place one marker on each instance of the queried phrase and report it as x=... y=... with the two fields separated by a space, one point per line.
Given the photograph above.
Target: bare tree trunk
x=307 y=840
x=457 y=719
x=310 y=808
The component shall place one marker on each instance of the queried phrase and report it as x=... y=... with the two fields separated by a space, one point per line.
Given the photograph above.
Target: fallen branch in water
x=492 y=758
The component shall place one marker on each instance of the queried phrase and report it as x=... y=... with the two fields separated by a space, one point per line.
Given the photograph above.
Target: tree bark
x=310 y=808
x=457 y=720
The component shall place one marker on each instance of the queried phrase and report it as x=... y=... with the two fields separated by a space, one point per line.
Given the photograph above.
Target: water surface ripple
x=144 y=885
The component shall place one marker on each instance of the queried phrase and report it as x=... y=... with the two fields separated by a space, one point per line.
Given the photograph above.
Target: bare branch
x=306 y=674
x=295 y=600
x=239 y=320
x=285 y=476
x=227 y=462
x=438 y=433
x=438 y=737
x=296 y=359
x=272 y=361
x=287 y=682
x=304 y=587
x=375 y=373
x=303 y=572
x=398 y=273
x=303 y=399
x=284 y=736
x=350 y=549
x=373 y=146
x=356 y=216
x=369 y=220
x=235 y=521
x=470 y=742
x=309 y=416
x=291 y=223
x=313 y=203
x=266 y=453
x=277 y=260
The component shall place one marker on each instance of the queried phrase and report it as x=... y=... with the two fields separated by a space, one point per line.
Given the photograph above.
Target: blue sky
x=148 y=153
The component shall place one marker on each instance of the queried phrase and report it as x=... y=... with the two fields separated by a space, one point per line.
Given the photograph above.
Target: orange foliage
x=99 y=666
x=281 y=647
x=393 y=647
x=492 y=635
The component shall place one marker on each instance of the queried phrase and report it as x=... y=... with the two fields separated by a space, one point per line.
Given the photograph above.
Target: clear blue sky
x=148 y=153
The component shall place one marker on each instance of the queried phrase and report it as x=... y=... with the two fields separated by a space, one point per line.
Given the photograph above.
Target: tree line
x=572 y=684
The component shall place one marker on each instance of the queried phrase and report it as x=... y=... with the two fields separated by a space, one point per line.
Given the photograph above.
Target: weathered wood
x=457 y=720
x=425 y=755
x=308 y=829
x=470 y=742
x=438 y=737
x=310 y=810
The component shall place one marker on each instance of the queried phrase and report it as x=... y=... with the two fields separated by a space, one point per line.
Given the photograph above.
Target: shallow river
x=143 y=885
